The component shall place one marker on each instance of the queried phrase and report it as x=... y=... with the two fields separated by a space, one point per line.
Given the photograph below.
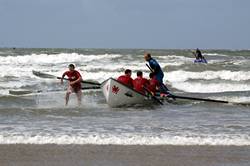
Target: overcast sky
x=125 y=23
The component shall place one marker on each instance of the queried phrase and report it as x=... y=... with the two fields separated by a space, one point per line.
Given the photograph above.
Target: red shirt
x=139 y=83
x=72 y=76
x=153 y=84
x=125 y=79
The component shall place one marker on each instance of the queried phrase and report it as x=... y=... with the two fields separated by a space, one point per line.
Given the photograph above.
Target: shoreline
x=113 y=155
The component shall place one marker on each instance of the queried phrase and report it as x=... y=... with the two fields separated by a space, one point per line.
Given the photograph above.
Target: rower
x=153 y=84
x=140 y=83
x=126 y=78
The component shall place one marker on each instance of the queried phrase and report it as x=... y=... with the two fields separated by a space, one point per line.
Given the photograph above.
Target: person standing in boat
x=198 y=55
x=74 y=86
x=140 y=83
x=156 y=69
x=126 y=78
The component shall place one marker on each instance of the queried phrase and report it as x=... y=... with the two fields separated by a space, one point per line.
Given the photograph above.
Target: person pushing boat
x=74 y=85
x=156 y=69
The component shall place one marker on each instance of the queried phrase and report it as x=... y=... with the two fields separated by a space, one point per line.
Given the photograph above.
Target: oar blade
x=42 y=75
x=20 y=92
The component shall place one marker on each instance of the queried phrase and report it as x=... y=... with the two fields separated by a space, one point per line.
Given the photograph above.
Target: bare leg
x=69 y=91
x=79 y=97
x=67 y=98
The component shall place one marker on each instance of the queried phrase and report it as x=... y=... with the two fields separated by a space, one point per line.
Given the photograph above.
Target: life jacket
x=153 y=85
x=125 y=79
x=140 y=83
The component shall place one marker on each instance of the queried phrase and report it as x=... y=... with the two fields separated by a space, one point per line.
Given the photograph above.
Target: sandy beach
x=114 y=155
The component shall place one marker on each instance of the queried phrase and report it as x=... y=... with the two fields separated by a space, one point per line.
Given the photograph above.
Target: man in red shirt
x=75 y=79
x=153 y=84
x=140 y=83
x=126 y=79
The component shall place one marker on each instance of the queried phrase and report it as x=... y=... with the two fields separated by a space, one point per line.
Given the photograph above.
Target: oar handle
x=93 y=83
x=149 y=68
x=150 y=94
x=87 y=82
x=94 y=87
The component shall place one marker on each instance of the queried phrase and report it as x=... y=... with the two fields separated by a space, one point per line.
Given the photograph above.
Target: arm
x=154 y=65
x=76 y=81
x=194 y=53
x=63 y=77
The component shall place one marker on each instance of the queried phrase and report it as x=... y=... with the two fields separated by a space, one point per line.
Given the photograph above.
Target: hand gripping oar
x=45 y=75
x=153 y=97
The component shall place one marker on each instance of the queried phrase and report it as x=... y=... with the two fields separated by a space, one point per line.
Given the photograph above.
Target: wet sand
x=121 y=155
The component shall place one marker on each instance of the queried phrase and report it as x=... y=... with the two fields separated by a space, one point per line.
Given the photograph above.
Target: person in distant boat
x=126 y=78
x=74 y=86
x=156 y=69
x=198 y=54
x=153 y=84
x=199 y=57
x=140 y=83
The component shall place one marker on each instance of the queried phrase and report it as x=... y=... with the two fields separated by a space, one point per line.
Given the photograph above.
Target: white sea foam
x=180 y=80
x=181 y=76
x=214 y=54
x=21 y=66
x=54 y=58
x=210 y=87
x=175 y=57
x=104 y=139
x=237 y=99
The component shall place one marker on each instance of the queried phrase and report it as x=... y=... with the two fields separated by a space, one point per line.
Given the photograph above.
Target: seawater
x=41 y=118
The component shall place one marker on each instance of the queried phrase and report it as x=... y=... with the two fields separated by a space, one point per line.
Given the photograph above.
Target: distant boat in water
x=200 y=60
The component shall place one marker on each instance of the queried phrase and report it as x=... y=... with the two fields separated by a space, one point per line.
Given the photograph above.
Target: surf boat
x=117 y=94
x=203 y=60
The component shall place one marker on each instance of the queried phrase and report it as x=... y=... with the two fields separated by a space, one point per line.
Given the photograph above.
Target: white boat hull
x=117 y=94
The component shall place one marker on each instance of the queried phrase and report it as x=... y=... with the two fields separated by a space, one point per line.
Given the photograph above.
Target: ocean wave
x=181 y=76
x=54 y=58
x=175 y=57
x=107 y=139
x=214 y=54
x=210 y=87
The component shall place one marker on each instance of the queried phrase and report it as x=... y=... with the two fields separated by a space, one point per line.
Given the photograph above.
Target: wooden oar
x=208 y=100
x=25 y=92
x=45 y=75
x=198 y=99
x=91 y=87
